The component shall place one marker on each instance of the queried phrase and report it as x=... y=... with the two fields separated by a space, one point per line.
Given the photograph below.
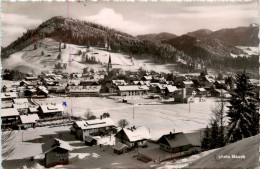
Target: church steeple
x=109 y=65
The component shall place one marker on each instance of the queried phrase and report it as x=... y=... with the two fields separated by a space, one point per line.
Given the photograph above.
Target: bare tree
x=123 y=123
x=219 y=116
x=7 y=144
x=88 y=114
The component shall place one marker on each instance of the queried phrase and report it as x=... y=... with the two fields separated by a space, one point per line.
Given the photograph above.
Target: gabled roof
x=97 y=123
x=51 y=108
x=30 y=118
x=175 y=139
x=201 y=89
x=55 y=143
x=9 y=112
x=221 y=91
x=119 y=146
x=9 y=95
x=119 y=82
x=171 y=88
x=89 y=139
x=139 y=133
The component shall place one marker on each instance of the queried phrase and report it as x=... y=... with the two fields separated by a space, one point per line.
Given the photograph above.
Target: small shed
x=120 y=148
x=56 y=152
x=90 y=141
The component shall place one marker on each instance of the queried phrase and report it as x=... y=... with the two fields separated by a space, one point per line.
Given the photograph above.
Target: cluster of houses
x=126 y=139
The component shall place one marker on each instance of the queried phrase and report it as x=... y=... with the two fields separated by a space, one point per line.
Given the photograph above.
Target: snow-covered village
x=80 y=93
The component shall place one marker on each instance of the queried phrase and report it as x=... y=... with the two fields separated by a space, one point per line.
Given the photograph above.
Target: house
x=29 y=120
x=208 y=81
x=186 y=84
x=185 y=95
x=220 y=84
x=8 y=96
x=42 y=92
x=51 y=110
x=119 y=82
x=10 y=117
x=174 y=142
x=56 y=152
x=93 y=127
x=6 y=104
x=84 y=90
x=133 y=137
x=21 y=103
x=132 y=90
x=120 y=148
x=169 y=90
x=201 y=92
x=91 y=82
x=90 y=141
x=147 y=78
x=221 y=93
x=32 y=78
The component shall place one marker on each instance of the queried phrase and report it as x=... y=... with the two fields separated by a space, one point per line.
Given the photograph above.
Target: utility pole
x=189 y=106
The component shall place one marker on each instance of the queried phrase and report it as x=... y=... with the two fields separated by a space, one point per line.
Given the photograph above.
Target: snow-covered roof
x=221 y=91
x=33 y=109
x=139 y=133
x=201 y=89
x=133 y=88
x=42 y=88
x=97 y=123
x=119 y=146
x=30 y=118
x=51 y=108
x=148 y=77
x=119 y=82
x=9 y=112
x=176 y=139
x=210 y=79
x=85 y=89
x=9 y=95
x=171 y=88
x=49 y=146
x=20 y=101
x=187 y=82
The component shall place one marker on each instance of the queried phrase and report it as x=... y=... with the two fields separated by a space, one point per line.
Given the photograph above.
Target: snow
x=249 y=50
x=79 y=155
x=21 y=60
x=181 y=163
x=158 y=119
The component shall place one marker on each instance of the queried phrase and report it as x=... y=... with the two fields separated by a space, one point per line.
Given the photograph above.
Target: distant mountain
x=79 y=32
x=201 y=33
x=157 y=37
x=203 y=49
x=240 y=36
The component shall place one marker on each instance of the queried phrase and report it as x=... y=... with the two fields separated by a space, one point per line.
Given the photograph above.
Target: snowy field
x=159 y=119
x=22 y=60
x=248 y=50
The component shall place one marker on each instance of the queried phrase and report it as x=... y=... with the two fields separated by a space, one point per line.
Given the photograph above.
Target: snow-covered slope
x=46 y=54
x=228 y=156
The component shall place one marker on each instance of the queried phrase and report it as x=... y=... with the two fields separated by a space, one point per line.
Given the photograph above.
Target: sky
x=134 y=18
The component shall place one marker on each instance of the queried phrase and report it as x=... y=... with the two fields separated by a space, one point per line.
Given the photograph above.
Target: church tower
x=109 y=65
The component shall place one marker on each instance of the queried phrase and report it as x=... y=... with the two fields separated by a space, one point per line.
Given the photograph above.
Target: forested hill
x=79 y=32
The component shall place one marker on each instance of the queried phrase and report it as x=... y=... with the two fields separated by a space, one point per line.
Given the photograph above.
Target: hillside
x=240 y=36
x=203 y=49
x=200 y=34
x=157 y=37
x=73 y=31
x=248 y=147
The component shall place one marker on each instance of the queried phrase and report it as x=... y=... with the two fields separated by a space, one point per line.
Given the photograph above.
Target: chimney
x=170 y=133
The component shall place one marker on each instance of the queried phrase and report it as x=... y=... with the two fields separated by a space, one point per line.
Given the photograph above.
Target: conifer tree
x=243 y=110
x=214 y=134
x=205 y=142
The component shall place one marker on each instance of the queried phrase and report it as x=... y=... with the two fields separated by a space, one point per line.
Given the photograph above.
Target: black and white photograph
x=129 y=84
